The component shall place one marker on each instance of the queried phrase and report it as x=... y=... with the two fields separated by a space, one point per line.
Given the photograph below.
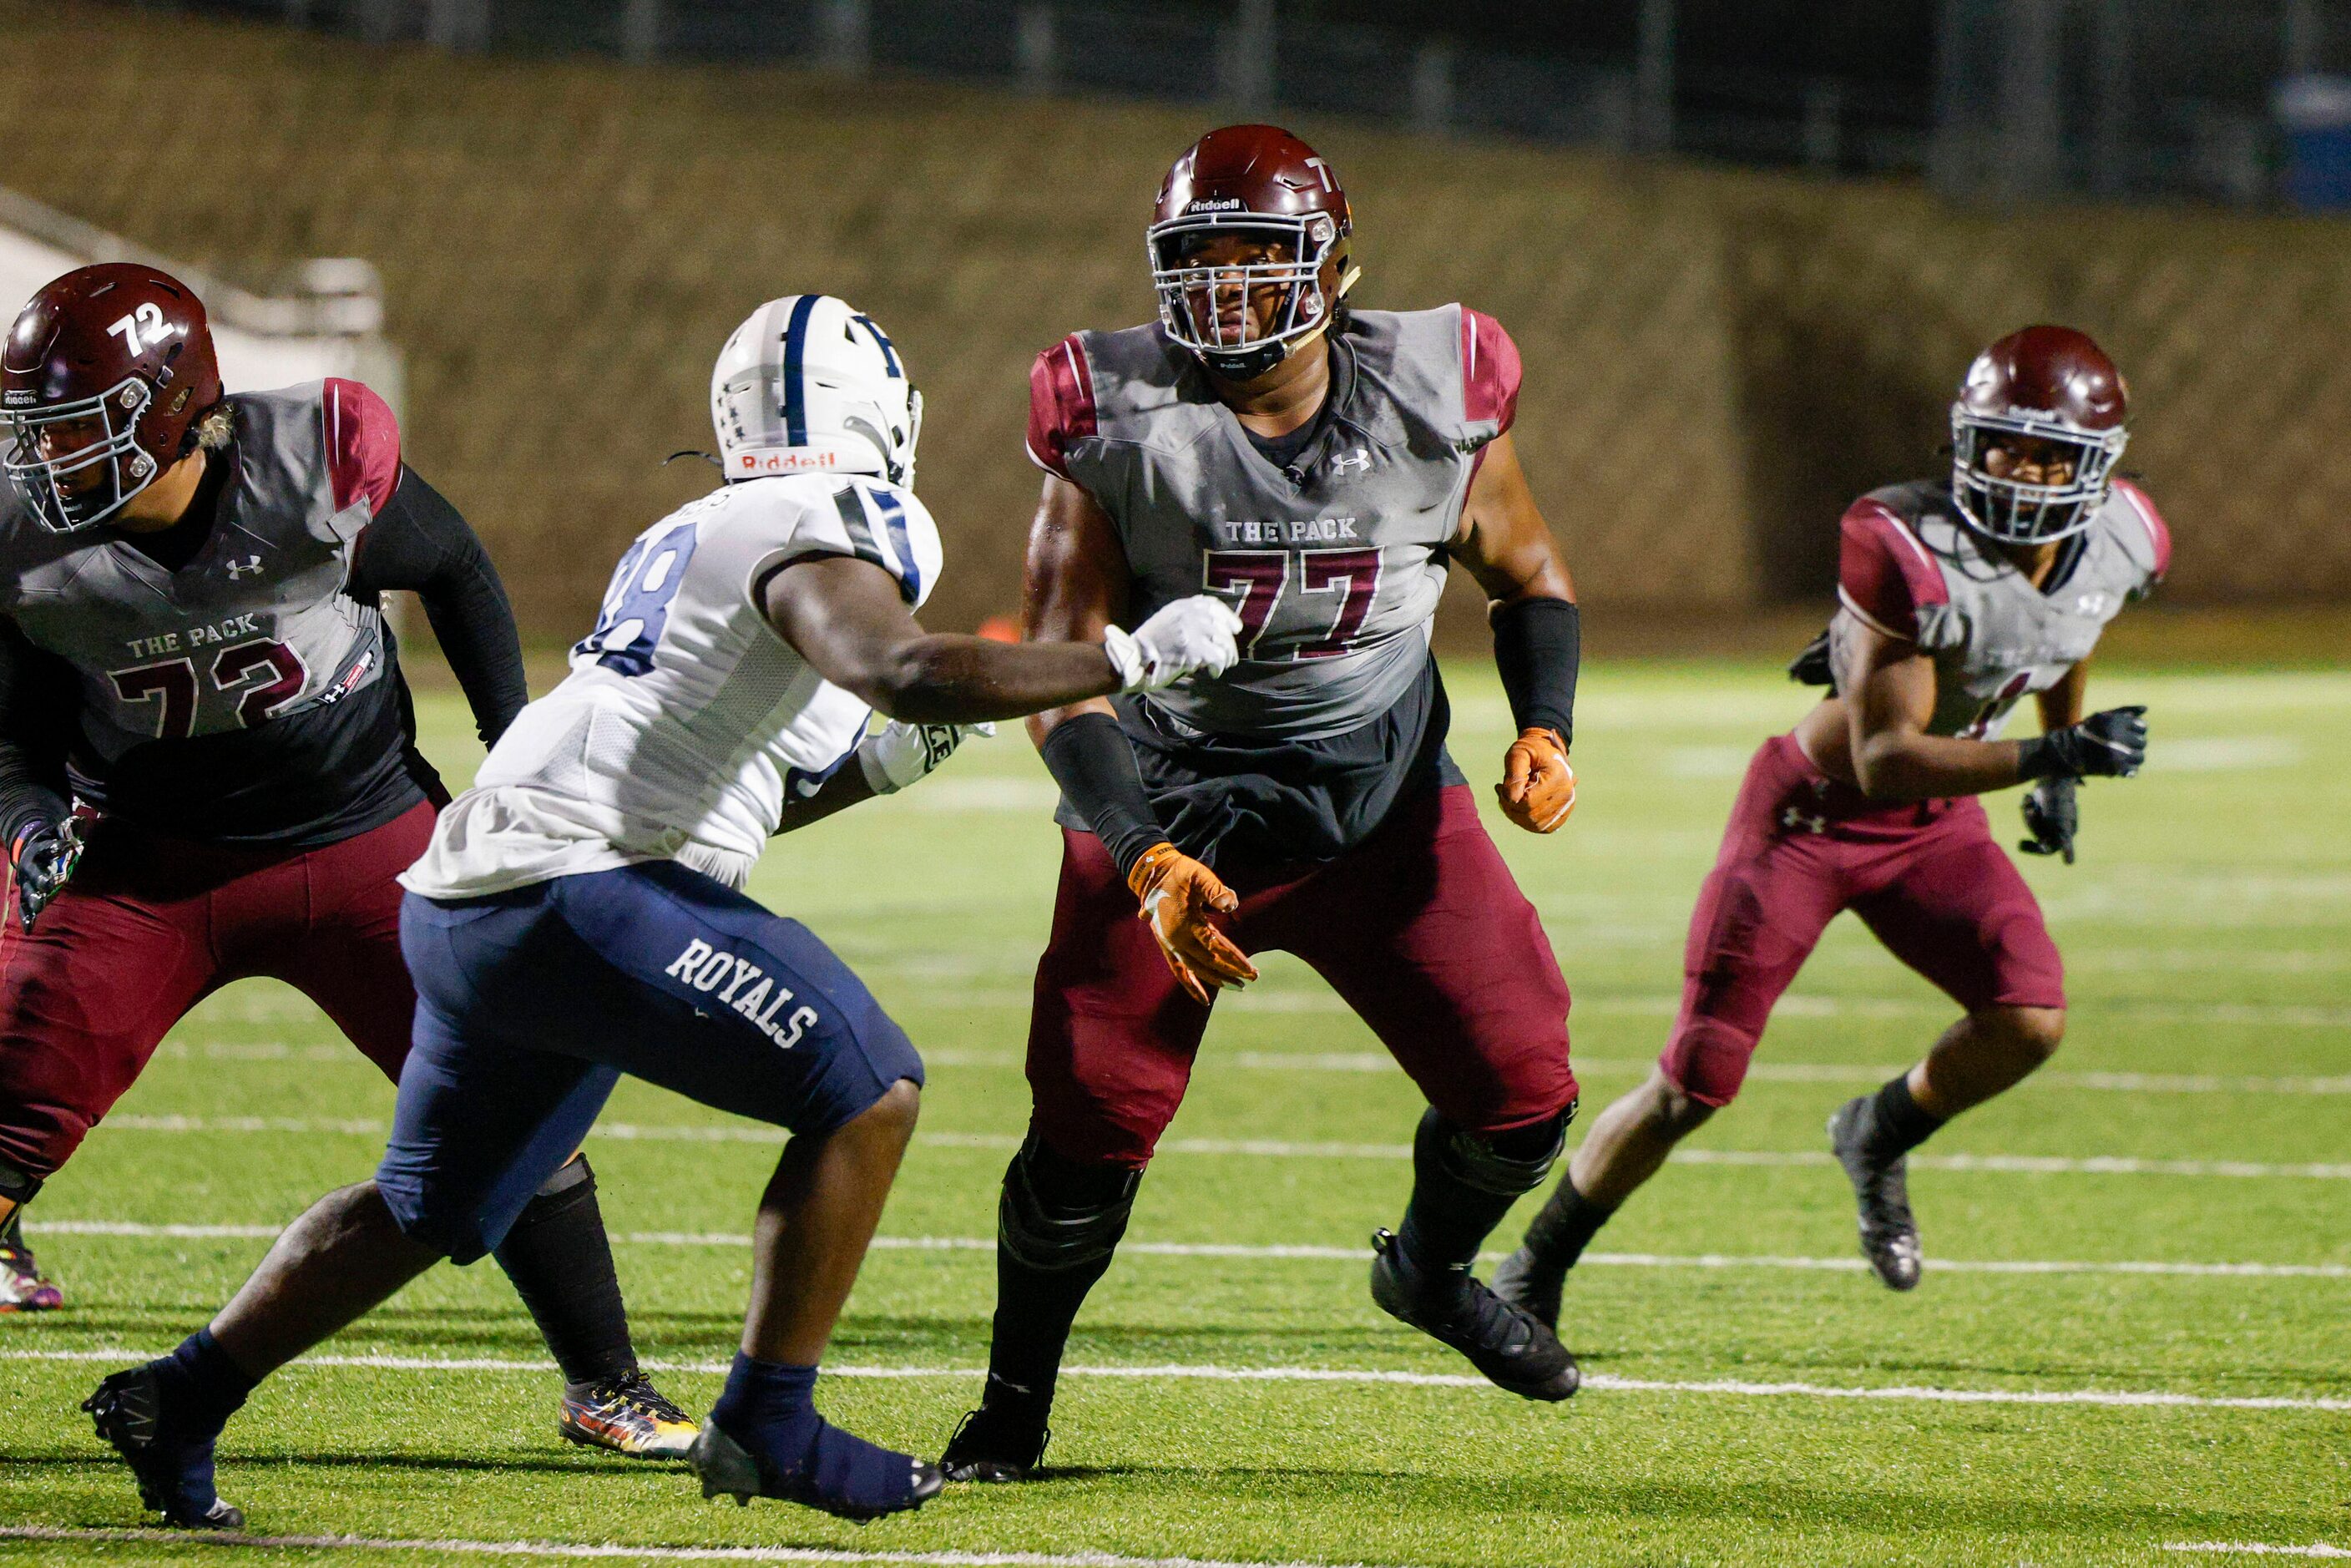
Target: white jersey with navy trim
x=685 y=719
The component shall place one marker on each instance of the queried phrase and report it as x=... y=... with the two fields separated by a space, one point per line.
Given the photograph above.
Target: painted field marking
x=2272 y=1015
x=1313 y=1252
x=1186 y=1373
x=1277 y=1148
x=2257 y=1549
x=1765 y=1072
x=567 y=1548
x=1375 y=1061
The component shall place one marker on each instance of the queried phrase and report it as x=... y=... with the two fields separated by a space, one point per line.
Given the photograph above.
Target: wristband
x=1538 y=645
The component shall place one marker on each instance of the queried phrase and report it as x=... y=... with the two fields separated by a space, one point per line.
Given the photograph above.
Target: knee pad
x=1503 y=1164
x=1059 y=1214
x=17 y=1186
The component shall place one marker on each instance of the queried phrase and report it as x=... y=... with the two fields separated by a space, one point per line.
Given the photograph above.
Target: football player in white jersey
x=1960 y=598
x=578 y=915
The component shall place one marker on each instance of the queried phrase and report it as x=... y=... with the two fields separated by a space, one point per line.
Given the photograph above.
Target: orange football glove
x=1537 y=786
x=1178 y=895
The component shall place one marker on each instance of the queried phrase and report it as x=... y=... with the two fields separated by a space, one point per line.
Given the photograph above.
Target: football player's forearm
x=420 y=542
x=25 y=799
x=2061 y=705
x=1091 y=759
x=950 y=679
x=1537 y=648
x=847 y=788
x=1906 y=766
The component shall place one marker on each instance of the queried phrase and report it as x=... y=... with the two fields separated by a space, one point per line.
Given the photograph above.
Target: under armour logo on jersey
x=2091 y=604
x=1358 y=458
x=249 y=567
x=1796 y=818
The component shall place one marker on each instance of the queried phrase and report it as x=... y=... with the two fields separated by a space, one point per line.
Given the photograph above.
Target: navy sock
x=769 y=1408
x=1896 y=1124
x=202 y=1388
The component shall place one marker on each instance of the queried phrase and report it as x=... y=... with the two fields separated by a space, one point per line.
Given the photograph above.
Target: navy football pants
x=531 y=1004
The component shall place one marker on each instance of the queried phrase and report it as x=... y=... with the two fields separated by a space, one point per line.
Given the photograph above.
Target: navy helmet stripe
x=894 y=517
x=889 y=350
x=794 y=349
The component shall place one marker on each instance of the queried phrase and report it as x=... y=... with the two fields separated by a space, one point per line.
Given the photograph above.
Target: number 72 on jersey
x=1313 y=601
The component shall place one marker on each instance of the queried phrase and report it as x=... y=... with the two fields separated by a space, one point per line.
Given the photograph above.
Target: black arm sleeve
x=1094 y=762
x=419 y=543
x=28 y=794
x=1538 y=643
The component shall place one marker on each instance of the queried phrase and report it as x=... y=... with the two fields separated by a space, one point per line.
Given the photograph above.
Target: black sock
x=202 y=1386
x=1461 y=1187
x=12 y=1233
x=1896 y=1124
x=561 y=1264
x=1057 y=1228
x=1565 y=1226
x=1034 y=1311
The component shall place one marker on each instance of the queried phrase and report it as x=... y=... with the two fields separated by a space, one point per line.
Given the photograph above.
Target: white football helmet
x=811 y=385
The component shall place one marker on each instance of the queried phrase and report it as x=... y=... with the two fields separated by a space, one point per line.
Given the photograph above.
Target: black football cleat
x=996 y=1443
x=175 y=1470
x=1506 y=1343
x=837 y=1473
x=1881 y=1191
x=1534 y=1287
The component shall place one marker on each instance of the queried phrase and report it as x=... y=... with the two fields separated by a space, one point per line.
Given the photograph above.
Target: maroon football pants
x=149 y=926
x=1420 y=929
x=1927 y=878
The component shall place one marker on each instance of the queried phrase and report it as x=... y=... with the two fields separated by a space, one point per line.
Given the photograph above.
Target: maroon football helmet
x=105 y=374
x=1260 y=182
x=2046 y=384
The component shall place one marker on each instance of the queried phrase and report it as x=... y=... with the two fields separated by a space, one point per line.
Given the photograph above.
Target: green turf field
x=2135 y=1332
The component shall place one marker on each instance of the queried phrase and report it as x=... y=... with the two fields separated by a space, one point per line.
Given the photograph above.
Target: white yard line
x=565 y=1549
x=1312 y=1252
x=1604 y=1382
x=1664 y=1005
x=1375 y=1061
x=1278 y=1148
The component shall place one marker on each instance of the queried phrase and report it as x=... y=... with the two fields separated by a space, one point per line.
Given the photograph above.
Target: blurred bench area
x=1717 y=357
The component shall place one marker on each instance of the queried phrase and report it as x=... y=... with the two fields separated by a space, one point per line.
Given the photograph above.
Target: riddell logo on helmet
x=1220 y=205
x=780 y=462
x=17 y=397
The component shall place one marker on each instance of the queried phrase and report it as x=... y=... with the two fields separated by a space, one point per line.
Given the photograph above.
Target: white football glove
x=1191 y=636
x=897 y=754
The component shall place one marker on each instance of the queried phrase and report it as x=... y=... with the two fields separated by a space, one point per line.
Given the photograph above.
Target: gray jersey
x=256 y=626
x=1909 y=566
x=1335 y=562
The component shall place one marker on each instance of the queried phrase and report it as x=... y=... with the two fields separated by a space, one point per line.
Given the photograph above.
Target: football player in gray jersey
x=1320 y=467
x=189 y=586
x=1959 y=599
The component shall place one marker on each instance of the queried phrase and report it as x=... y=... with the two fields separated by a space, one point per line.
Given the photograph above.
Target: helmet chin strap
x=1248 y=364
